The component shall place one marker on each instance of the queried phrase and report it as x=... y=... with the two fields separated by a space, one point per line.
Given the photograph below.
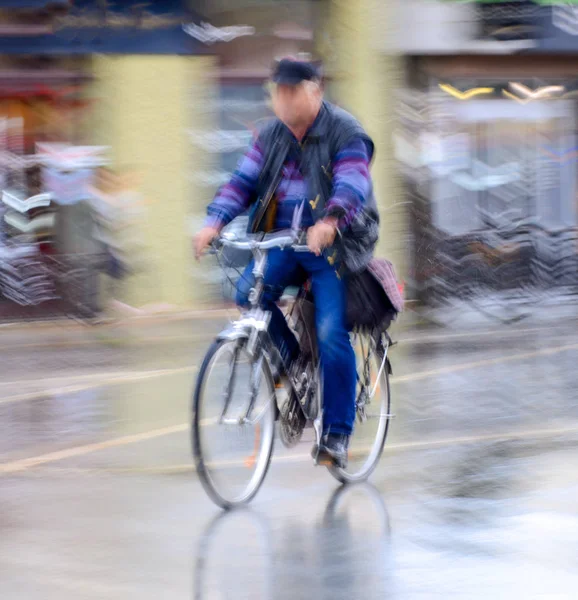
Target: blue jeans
x=287 y=268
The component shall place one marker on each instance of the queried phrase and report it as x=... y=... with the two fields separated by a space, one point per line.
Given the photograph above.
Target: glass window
x=516 y=160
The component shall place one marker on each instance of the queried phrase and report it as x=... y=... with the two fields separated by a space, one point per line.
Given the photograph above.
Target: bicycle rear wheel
x=233 y=423
x=373 y=408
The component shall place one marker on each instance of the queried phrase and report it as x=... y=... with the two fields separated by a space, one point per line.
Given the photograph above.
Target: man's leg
x=336 y=353
x=282 y=271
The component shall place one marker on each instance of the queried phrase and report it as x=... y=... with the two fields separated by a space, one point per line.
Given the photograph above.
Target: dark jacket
x=333 y=129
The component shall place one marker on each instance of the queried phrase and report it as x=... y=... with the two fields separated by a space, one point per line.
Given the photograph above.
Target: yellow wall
x=364 y=82
x=144 y=107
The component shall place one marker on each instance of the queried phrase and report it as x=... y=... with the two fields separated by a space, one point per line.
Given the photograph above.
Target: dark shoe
x=332 y=451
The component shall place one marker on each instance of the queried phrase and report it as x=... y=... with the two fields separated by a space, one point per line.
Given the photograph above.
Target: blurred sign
x=69 y=170
x=22 y=4
x=445 y=153
x=65 y=157
x=209 y=34
x=451 y=27
x=484 y=177
x=508 y=21
x=119 y=27
x=35 y=224
x=441 y=154
x=560 y=29
x=68 y=187
x=221 y=140
x=566 y=19
x=12 y=135
x=15 y=201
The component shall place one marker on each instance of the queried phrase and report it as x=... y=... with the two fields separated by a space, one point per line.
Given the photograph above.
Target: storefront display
x=491 y=167
x=41 y=233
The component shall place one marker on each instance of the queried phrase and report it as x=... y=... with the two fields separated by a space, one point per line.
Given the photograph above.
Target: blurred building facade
x=172 y=89
x=471 y=105
x=486 y=141
x=124 y=75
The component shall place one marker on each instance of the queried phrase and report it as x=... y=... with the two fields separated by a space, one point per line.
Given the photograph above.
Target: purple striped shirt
x=351 y=185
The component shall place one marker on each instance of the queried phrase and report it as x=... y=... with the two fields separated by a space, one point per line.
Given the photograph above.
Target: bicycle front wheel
x=233 y=423
x=373 y=407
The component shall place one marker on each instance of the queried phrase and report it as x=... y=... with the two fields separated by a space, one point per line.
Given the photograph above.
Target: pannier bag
x=373 y=296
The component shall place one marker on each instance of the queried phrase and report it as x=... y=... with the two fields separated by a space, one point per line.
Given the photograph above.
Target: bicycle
x=251 y=360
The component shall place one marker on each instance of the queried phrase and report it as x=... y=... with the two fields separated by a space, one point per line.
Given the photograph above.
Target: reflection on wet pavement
x=477 y=536
x=344 y=551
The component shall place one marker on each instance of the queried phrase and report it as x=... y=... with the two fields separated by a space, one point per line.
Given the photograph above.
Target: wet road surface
x=475 y=496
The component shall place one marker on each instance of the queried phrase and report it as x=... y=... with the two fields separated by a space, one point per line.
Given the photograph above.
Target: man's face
x=295 y=104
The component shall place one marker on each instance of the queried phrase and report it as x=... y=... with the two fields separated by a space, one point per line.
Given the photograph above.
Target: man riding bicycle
x=315 y=157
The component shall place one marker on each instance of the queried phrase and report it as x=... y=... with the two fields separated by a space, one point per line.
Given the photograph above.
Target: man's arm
x=234 y=197
x=351 y=185
x=351 y=182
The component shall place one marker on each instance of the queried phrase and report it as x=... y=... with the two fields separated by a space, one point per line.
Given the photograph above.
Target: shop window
x=515 y=162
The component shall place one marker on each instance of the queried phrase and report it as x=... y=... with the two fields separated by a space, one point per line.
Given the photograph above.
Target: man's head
x=296 y=92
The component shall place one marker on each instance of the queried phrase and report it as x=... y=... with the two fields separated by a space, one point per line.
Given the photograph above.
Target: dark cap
x=289 y=71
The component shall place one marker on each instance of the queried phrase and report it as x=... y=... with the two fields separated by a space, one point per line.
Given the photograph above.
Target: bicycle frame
x=254 y=322
x=252 y=330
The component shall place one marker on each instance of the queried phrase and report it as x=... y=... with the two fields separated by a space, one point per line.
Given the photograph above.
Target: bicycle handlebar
x=282 y=239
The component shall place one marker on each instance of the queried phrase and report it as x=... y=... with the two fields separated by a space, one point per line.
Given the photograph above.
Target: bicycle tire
x=332 y=508
x=208 y=548
x=266 y=451
x=343 y=475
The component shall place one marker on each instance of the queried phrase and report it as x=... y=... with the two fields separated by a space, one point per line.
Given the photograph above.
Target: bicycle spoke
x=230 y=383
x=372 y=410
x=233 y=432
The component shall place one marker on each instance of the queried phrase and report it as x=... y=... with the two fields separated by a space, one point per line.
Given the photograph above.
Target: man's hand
x=203 y=239
x=321 y=235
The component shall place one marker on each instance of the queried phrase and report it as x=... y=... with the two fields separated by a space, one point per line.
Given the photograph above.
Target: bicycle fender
x=233 y=333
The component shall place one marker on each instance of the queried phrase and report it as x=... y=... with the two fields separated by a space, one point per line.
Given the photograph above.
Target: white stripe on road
x=112 y=378
x=25 y=464
x=35 y=461
x=92 y=381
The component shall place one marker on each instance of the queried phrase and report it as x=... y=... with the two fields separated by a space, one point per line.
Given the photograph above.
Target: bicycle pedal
x=320 y=459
